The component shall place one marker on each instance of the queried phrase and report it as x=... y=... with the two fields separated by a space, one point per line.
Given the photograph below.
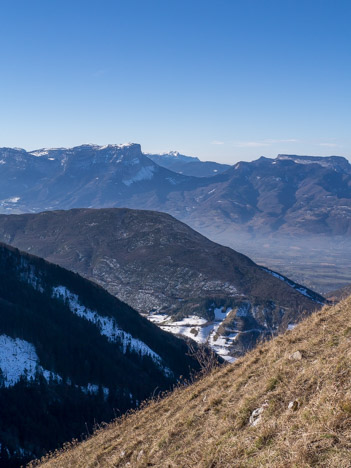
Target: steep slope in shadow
x=71 y=355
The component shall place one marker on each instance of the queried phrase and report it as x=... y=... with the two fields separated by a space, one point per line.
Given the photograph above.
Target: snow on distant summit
x=90 y=146
x=187 y=165
x=337 y=163
x=175 y=155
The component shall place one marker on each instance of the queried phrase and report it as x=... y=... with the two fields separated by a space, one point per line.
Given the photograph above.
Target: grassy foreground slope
x=340 y=294
x=300 y=380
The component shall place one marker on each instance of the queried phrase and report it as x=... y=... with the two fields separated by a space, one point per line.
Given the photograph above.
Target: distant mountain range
x=71 y=356
x=281 y=195
x=293 y=195
x=173 y=275
x=187 y=165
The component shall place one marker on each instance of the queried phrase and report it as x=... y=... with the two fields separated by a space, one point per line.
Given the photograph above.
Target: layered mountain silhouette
x=290 y=194
x=176 y=277
x=71 y=356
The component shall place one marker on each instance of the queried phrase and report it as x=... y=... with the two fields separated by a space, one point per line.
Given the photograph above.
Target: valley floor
x=323 y=264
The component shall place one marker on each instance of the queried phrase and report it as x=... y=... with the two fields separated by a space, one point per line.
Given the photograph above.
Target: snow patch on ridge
x=19 y=358
x=121 y=146
x=109 y=328
x=293 y=285
x=42 y=152
x=93 y=389
x=11 y=200
x=145 y=173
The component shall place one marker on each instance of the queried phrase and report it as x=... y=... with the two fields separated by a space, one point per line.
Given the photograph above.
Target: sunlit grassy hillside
x=300 y=381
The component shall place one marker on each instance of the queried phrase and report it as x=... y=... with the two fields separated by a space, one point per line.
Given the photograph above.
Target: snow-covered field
x=200 y=330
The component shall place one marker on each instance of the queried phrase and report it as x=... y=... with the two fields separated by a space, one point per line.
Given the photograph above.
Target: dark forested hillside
x=71 y=355
x=167 y=271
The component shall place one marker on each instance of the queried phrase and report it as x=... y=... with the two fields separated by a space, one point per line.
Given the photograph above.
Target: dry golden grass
x=207 y=423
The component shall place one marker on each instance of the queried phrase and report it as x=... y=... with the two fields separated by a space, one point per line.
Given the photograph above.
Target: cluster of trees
x=38 y=415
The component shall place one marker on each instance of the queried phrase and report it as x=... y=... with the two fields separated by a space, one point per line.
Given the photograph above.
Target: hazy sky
x=222 y=80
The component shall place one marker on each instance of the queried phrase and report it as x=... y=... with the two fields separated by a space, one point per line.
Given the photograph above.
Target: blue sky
x=222 y=80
